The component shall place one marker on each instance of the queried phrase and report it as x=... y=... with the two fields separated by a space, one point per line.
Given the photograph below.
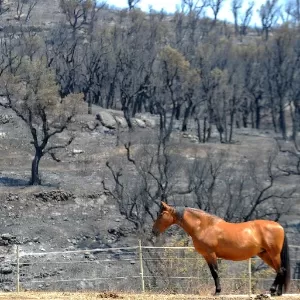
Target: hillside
x=70 y=210
x=207 y=115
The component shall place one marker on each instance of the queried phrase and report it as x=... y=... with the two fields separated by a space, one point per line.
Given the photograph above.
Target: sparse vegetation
x=218 y=94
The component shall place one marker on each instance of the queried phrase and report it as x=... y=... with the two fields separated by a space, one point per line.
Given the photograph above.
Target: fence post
x=141 y=265
x=250 y=275
x=18 y=270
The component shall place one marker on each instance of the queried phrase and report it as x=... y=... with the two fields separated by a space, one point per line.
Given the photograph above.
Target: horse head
x=166 y=218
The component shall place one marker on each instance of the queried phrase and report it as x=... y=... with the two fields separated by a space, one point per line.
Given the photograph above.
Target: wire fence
x=139 y=269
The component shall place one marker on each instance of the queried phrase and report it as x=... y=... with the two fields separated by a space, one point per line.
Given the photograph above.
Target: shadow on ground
x=12 y=182
x=8 y=181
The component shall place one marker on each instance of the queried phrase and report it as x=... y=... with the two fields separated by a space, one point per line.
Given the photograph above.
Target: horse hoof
x=273 y=292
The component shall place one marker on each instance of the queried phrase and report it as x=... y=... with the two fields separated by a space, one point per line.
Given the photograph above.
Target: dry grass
x=113 y=295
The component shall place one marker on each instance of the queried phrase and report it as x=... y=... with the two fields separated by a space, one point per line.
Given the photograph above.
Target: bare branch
x=127 y=147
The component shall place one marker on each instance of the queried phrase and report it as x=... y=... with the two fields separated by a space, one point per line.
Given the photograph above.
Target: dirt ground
x=113 y=295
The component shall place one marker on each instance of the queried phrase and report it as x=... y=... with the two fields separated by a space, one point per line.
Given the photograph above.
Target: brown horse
x=215 y=238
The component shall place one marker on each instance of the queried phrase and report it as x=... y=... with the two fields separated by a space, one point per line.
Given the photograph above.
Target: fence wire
x=136 y=269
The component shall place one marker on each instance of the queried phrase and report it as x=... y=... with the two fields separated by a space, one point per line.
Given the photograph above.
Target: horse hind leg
x=280 y=274
x=274 y=261
x=268 y=260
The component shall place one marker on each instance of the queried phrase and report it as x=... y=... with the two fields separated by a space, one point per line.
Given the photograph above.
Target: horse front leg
x=213 y=266
x=214 y=272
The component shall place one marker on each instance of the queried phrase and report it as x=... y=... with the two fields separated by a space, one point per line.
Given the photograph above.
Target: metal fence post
x=18 y=270
x=141 y=265
x=250 y=275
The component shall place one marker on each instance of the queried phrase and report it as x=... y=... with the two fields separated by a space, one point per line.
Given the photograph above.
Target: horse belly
x=239 y=248
x=236 y=254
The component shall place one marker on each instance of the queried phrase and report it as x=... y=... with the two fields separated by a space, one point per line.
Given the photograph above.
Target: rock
x=186 y=135
x=138 y=122
x=124 y=231
x=6 y=288
x=7 y=236
x=92 y=125
x=148 y=121
x=6 y=270
x=55 y=195
x=4 y=119
x=77 y=151
x=107 y=295
x=121 y=121
x=36 y=239
x=19 y=17
x=74 y=241
x=107 y=120
x=89 y=256
x=109 y=131
x=71 y=248
x=261 y=296
x=12 y=197
x=113 y=231
x=3 y=243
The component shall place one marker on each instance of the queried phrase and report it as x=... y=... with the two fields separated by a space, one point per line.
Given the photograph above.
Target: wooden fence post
x=18 y=270
x=141 y=265
x=250 y=276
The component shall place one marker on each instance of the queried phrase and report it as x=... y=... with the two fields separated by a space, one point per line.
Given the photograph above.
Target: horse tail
x=285 y=263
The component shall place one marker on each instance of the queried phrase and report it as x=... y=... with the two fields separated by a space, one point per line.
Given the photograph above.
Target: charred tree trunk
x=198 y=129
x=127 y=117
x=282 y=120
x=177 y=111
x=273 y=113
x=186 y=116
x=232 y=115
x=35 y=178
x=257 y=112
x=89 y=99
x=295 y=117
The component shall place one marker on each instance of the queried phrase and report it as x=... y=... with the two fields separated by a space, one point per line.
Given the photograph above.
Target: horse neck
x=196 y=219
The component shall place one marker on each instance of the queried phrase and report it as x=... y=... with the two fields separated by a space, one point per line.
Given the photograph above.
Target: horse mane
x=179 y=211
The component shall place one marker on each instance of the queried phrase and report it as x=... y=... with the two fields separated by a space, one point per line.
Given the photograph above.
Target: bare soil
x=113 y=295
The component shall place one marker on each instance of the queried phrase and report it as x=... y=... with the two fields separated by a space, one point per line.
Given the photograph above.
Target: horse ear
x=165 y=205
